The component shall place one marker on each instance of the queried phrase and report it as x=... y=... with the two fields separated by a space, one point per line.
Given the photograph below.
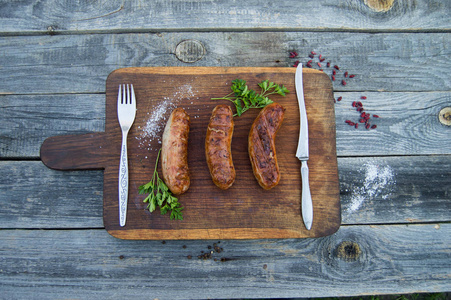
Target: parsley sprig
x=245 y=98
x=159 y=194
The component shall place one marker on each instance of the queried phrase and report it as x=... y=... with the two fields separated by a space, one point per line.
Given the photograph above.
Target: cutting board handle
x=75 y=152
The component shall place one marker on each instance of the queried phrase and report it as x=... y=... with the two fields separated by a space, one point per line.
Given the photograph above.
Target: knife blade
x=302 y=152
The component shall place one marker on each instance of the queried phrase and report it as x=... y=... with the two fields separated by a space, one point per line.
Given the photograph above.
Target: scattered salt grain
x=379 y=181
x=156 y=120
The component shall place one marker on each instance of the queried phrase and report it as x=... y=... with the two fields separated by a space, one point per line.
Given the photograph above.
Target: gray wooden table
x=395 y=180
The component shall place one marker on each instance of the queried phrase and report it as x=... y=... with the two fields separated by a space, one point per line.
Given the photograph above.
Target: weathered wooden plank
x=380 y=190
x=33 y=196
x=81 y=63
x=81 y=16
x=409 y=125
x=357 y=260
x=395 y=189
x=26 y=121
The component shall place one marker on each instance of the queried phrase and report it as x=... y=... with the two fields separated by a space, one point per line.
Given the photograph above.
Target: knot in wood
x=380 y=5
x=189 y=51
x=349 y=251
x=444 y=116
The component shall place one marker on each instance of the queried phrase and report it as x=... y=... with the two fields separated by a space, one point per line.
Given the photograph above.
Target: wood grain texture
x=26 y=121
x=80 y=152
x=81 y=63
x=395 y=189
x=33 y=196
x=408 y=126
x=55 y=58
x=209 y=212
x=90 y=263
x=52 y=16
x=377 y=190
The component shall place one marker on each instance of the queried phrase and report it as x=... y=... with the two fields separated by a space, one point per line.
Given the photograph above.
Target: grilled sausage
x=218 y=147
x=261 y=146
x=174 y=152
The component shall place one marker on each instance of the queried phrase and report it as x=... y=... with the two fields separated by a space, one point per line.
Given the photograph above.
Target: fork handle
x=123 y=181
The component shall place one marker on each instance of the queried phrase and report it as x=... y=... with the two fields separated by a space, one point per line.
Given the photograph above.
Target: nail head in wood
x=190 y=51
x=444 y=116
x=51 y=30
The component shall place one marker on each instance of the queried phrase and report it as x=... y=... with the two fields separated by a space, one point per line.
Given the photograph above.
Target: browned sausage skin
x=218 y=147
x=174 y=152
x=262 y=149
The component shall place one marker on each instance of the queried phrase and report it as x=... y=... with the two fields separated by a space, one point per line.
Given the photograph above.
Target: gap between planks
x=218 y=30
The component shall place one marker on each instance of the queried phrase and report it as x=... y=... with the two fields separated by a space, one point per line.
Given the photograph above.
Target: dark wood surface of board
x=245 y=210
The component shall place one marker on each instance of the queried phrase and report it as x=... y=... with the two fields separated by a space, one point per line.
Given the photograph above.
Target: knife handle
x=123 y=182
x=307 y=206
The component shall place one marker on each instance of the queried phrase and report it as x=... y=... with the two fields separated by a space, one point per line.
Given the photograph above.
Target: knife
x=302 y=151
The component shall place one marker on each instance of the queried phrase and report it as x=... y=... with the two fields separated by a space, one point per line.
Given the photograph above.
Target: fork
x=126 y=112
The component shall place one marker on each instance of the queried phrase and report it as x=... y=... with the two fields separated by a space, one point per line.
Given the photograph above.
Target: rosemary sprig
x=160 y=195
x=245 y=98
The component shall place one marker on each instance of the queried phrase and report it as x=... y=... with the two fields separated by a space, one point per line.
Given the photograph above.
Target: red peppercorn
x=363 y=97
x=374 y=127
x=311 y=56
x=336 y=67
x=362 y=121
x=343 y=82
x=346 y=74
x=356 y=126
x=333 y=72
x=339 y=98
x=376 y=116
x=328 y=64
x=351 y=76
x=322 y=59
x=353 y=104
x=319 y=65
x=367 y=126
x=313 y=53
x=333 y=78
x=359 y=103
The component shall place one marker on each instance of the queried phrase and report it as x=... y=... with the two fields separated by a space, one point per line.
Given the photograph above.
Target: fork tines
x=129 y=99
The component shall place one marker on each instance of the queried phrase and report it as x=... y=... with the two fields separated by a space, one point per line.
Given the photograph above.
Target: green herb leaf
x=245 y=98
x=176 y=213
x=161 y=196
x=152 y=205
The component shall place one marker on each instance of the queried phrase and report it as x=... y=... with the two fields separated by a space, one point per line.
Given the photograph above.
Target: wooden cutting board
x=245 y=211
